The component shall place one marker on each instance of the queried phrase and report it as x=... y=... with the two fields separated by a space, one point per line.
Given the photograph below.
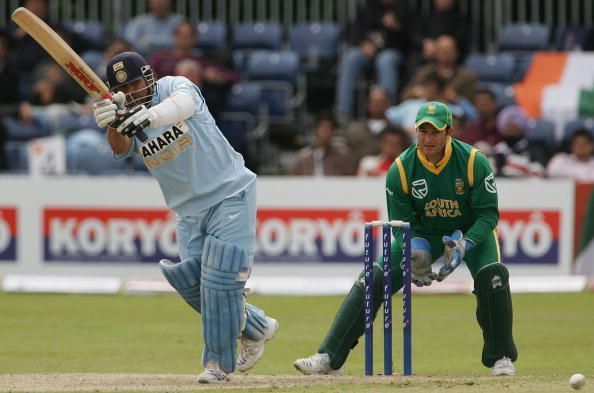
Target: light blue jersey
x=194 y=164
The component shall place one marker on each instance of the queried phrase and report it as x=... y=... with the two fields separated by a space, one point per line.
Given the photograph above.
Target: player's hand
x=455 y=249
x=420 y=267
x=106 y=111
x=134 y=120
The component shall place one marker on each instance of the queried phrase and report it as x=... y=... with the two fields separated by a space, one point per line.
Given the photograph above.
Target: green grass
x=162 y=335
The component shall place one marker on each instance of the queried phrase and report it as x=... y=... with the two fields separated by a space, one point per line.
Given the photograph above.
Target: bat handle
x=140 y=134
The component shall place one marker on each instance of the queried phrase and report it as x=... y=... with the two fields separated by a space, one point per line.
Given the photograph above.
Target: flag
x=584 y=263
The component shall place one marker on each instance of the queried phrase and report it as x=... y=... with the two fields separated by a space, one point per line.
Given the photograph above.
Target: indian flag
x=558 y=86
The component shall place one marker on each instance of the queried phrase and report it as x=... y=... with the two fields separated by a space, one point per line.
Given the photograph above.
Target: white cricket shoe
x=213 y=373
x=252 y=351
x=504 y=366
x=318 y=364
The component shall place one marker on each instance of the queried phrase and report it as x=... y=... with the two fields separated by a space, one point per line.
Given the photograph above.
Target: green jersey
x=459 y=192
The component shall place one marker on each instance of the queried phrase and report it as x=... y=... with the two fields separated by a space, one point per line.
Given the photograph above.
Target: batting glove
x=420 y=271
x=455 y=249
x=134 y=121
x=106 y=111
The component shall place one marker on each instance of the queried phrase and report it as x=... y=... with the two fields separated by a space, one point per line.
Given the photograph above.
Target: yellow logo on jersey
x=166 y=146
x=442 y=208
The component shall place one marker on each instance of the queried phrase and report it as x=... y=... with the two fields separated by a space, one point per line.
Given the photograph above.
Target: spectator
x=326 y=156
x=9 y=80
x=190 y=69
x=362 y=137
x=379 y=36
x=482 y=132
x=579 y=163
x=443 y=20
x=459 y=80
x=432 y=88
x=152 y=31
x=215 y=78
x=405 y=113
x=393 y=140
x=514 y=157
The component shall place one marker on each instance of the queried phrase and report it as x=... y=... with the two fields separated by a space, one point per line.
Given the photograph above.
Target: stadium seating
x=258 y=35
x=278 y=73
x=504 y=92
x=542 y=131
x=573 y=125
x=212 y=36
x=245 y=97
x=500 y=67
x=315 y=42
x=87 y=152
x=568 y=38
x=524 y=37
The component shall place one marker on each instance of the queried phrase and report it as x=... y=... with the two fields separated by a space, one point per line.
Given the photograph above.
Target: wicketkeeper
x=446 y=190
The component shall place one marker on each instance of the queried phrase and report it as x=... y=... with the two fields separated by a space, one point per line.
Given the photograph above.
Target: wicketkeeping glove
x=455 y=249
x=420 y=271
x=106 y=111
x=134 y=121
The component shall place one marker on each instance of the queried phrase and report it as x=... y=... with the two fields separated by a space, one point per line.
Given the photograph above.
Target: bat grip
x=140 y=134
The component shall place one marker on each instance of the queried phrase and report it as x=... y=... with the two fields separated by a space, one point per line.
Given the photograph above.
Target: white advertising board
x=119 y=226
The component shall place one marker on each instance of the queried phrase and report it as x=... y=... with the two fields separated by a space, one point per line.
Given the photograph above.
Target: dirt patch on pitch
x=160 y=382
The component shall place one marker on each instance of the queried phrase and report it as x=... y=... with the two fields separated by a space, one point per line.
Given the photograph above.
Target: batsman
x=446 y=190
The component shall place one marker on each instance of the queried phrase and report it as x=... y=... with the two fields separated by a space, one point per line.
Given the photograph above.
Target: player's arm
x=483 y=196
x=397 y=198
x=119 y=143
x=177 y=107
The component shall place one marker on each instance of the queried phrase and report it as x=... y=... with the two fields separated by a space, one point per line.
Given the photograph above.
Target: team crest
x=459 y=187
x=121 y=76
x=431 y=109
x=490 y=184
x=419 y=188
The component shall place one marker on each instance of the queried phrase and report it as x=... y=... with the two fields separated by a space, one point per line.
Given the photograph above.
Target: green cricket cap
x=435 y=113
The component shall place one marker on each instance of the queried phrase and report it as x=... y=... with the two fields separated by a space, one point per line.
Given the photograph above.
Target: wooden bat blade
x=61 y=52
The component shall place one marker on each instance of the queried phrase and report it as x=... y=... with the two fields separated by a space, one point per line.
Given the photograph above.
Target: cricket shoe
x=213 y=373
x=318 y=364
x=504 y=366
x=252 y=351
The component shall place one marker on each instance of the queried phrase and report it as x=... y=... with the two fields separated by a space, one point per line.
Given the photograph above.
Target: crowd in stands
x=258 y=86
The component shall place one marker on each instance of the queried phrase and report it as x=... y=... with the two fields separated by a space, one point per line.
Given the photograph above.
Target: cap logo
x=118 y=66
x=431 y=109
x=121 y=76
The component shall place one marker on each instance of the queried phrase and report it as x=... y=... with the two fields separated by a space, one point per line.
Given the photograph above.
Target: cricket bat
x=64 y=55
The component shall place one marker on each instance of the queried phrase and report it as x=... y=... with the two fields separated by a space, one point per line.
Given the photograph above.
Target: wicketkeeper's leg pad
x=256 y=324
x=184 y=277
x=225 y=269
x=494 y=313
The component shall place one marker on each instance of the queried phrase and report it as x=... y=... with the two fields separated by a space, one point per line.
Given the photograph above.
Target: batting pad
x=184 y=277
x=256 y=324
x=224 y=268
x=494 y=313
